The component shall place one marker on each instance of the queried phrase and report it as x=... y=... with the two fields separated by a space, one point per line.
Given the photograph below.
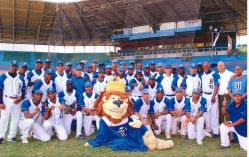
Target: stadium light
x=63 y=1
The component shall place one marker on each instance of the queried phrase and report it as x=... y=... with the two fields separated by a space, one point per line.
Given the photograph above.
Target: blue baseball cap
x=146 y=66
x=89 y=65
x=47 y=61
x=122 y=63
x=14 y=62
x=114 y=61
x=138 y=71
x=160 y=65
x=94 y=60
x=39 y=60
x=159 y=89
x=78 y=67
x=199 y=63
x=69 y=81
x=181 y=66
x=145 y=91
x=24 y=64
x=38 y=91
x=51 y=90
x=197 y=90
x=68 y=63
x=101 y=70
x=60 y=63
x=127 y=88
x=179 y=89
x=48 y=71
x=88 y=84
x=121 y=69
x=108 y=67
x=168 y=66
x=131 y=62
x=130 y=67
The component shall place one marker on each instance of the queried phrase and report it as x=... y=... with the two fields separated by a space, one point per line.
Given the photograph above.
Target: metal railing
x=167 y=53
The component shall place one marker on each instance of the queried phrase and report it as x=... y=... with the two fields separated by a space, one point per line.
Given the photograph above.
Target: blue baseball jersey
x=179 y=104
x=235 y=114
x=147 y=108
x=202 y=106
x=26 y=104
x=79 y=84
x=31 y=74
x=238 y=85
x=69 y=99
x=168 y=106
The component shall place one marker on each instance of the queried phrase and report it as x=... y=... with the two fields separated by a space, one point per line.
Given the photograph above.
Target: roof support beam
x=13 y=29
x=27 y=17
x=39 y=26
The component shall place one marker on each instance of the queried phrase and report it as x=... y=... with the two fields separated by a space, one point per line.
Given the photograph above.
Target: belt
x=170 y=95
x=207 y=93
x=11 y=97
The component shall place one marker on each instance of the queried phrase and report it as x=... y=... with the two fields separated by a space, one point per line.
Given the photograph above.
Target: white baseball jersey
x=159 y=106
x=167 y=84
x=60 y=81
x=130 y=77
x=191 y=83
x=99 y=87
x=152 y=91
x=89 y=102
x=57 y=113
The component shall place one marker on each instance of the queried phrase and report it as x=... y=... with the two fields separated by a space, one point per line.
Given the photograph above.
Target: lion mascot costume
x=117 y=128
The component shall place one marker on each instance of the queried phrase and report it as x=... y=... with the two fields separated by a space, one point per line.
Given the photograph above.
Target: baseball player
x=179 y=78
x=73 y=110
x=137 y=84
x=32 y=117
x=68 y=70
x=89 y=72
x=179 y=102
x=108 y=73
x=152 y=87
x=237 y=111
x=130 y=73
x=99 y=85
x=153 y=69
x=34 y=75
x=60 y=77
x=146 y=73
x=56 y=107
x=210 y=86
x=89 y=98
x=44 y=84
x=194 y=112
x=191 y=81
x=160 y=73
x=12 y=92
x=47 y=64
x=121 y=75
x=78 y=80
x=144 y=111
x=95 y=65
x=167 y=82
x=114 y=66
x=162 y=113
x=238 y=83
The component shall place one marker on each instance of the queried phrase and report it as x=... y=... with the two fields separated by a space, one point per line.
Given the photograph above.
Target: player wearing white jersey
x=73 y=110
x=210 y=86
x=32 y=117
x=12 y=92
x=60 y=77
x=99 y=85
x=88 y=98
x=55 y=120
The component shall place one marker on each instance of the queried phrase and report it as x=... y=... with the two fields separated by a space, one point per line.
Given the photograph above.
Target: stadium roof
x=90 y=22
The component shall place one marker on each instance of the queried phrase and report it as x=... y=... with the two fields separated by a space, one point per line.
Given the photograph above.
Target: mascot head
x=114 y=102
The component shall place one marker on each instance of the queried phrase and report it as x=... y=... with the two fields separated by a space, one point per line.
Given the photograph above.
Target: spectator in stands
x=47 y=64
x=225 y=76
x=238 y=83
x=114 y=66
x=237 y=111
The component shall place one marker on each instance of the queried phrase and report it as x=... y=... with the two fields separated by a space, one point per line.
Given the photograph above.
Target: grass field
x=73 y=147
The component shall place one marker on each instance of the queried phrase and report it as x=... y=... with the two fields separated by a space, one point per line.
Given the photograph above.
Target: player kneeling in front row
x=194 y=111
x=237 y=111
x=179 y=114
x=32 y=117
x=162 y=109
x=55 y=107
x=88 y=100
x=72 y=111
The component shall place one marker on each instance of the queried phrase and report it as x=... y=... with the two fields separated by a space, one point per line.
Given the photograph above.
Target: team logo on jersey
x=122 y=131
x=211 y=83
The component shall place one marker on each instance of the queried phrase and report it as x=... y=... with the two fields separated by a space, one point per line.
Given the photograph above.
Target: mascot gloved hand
x=116 y=127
